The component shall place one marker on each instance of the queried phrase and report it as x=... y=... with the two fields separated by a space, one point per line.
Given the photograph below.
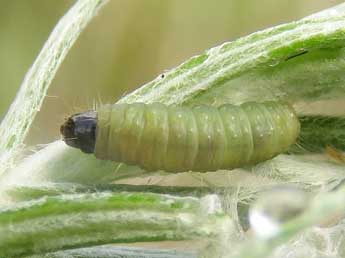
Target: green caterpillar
x=175 y=138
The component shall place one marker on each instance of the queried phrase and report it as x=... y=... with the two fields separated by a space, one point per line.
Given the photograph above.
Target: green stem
x=267 y=62
x=115 y=251
x=14 y=127
x=58 y=223
x=19 y=193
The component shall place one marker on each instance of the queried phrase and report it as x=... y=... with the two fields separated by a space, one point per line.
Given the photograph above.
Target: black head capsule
x=79 y=131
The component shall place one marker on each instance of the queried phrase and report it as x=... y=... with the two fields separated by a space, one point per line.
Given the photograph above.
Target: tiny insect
x=176 y=138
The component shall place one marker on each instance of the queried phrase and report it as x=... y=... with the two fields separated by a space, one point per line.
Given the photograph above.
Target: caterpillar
x=177 y=138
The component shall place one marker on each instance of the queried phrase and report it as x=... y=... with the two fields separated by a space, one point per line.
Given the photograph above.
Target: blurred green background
x=128 y=44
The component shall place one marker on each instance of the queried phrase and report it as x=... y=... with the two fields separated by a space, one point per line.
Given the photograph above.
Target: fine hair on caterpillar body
x=177 y=138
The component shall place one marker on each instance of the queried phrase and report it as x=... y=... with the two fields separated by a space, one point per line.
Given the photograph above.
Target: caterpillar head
x=79 y=131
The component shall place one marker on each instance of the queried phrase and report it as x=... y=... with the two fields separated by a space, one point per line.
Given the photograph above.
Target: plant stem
x=14 y=127
x=266 y=62
x=31 y=192
x=67 y=221
x=117 y=252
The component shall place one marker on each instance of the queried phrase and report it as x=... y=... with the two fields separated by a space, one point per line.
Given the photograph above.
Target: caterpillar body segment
x=201 y=138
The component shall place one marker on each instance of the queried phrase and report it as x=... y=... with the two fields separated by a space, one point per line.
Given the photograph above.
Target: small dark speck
x=296 y=55
x=162 y=75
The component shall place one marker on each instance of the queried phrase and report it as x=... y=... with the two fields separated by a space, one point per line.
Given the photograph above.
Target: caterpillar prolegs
x=175 y=138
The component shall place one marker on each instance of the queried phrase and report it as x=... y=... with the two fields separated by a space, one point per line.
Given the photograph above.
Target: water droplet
x=275 y=207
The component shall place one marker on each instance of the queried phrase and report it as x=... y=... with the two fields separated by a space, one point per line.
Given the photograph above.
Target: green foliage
x=62 y=222
x=298 y=62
